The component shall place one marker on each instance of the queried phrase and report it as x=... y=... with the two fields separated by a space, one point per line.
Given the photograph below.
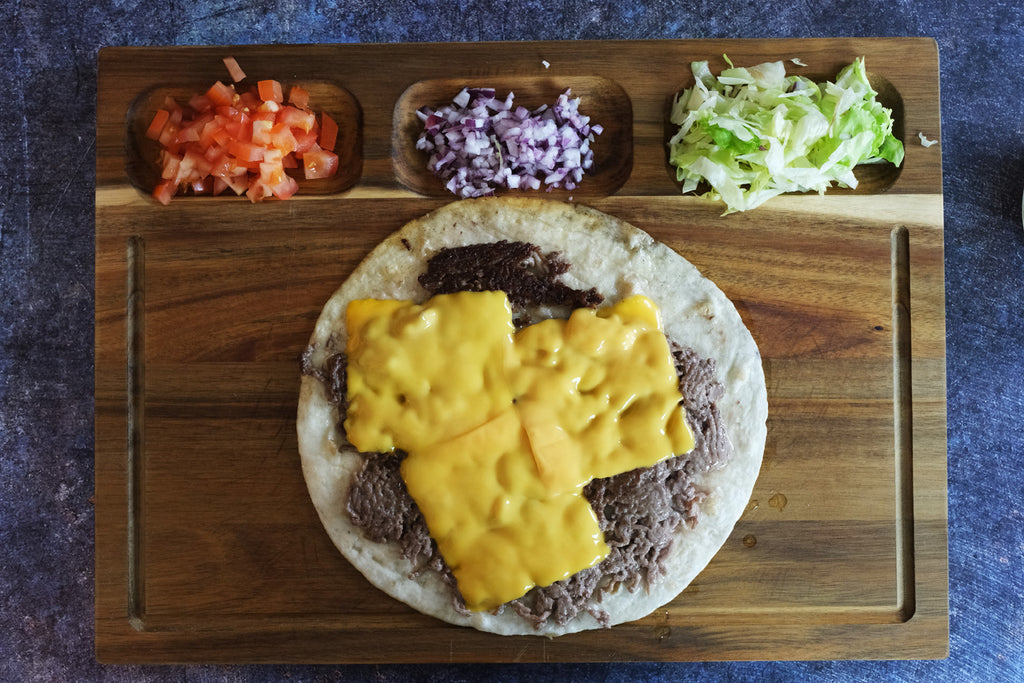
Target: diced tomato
x=239 y=182
x=202 y=118
x=328 y=132
x=170 y=168
x=239 y=127
x=297 y=118
x=270 y=108
x=261 y=131
x=221 y=95
x=250 y=166
x=169 y=137
x=157 y=125
x=245 y=151
x=187 y=134
x=286 y=188
x=262 y=114
x=270 y=91
x=200 y=103
x=257 y=192
x=203 y=185
x=193 y=164
x=249 y=100
x=234 y=70
x=208 y=136
x=281 y=138
x=319 y=163
x=272 y=174
x=299 y=97
x=244 y=142
x=304 y=141
x=273 y=156
x=222 y=136
x=221 y=165
x=275 y=181
x=165 y=191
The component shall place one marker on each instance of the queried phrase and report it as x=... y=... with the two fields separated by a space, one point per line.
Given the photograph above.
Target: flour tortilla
x=619 y=260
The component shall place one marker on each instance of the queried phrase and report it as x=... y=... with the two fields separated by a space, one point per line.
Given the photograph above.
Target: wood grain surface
x=207 y=546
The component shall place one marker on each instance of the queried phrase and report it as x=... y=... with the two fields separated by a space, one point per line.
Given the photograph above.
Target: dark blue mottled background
x=47 y=102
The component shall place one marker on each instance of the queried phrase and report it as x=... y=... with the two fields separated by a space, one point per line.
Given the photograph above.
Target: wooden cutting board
x=207 y=546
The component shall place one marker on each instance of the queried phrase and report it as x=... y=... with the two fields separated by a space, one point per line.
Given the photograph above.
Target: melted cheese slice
x=504 y=429
x=419 y=374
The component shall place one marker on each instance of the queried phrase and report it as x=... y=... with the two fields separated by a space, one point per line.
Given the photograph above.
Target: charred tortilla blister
x=638 y=511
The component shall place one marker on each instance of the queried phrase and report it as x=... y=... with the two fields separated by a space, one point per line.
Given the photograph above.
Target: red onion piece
x=479 y=143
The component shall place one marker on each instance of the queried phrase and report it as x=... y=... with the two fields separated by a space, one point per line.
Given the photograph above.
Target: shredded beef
x=701 y=392
x=337 y=381
x=638 y=511
x=379 y=503
x=526 y=275
x=379 y=480
x=334 y=377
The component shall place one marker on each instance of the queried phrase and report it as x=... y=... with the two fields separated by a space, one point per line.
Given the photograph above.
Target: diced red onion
x=481 y=143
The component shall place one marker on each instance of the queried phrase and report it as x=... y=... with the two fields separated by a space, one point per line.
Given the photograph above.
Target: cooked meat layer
x=639 y=511
x=528 y=276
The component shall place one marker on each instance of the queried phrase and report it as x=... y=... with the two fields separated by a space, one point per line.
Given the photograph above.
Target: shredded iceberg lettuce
x=754 y=133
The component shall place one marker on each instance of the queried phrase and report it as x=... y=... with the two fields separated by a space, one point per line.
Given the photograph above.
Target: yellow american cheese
x=419 y=374
x=504 y=429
